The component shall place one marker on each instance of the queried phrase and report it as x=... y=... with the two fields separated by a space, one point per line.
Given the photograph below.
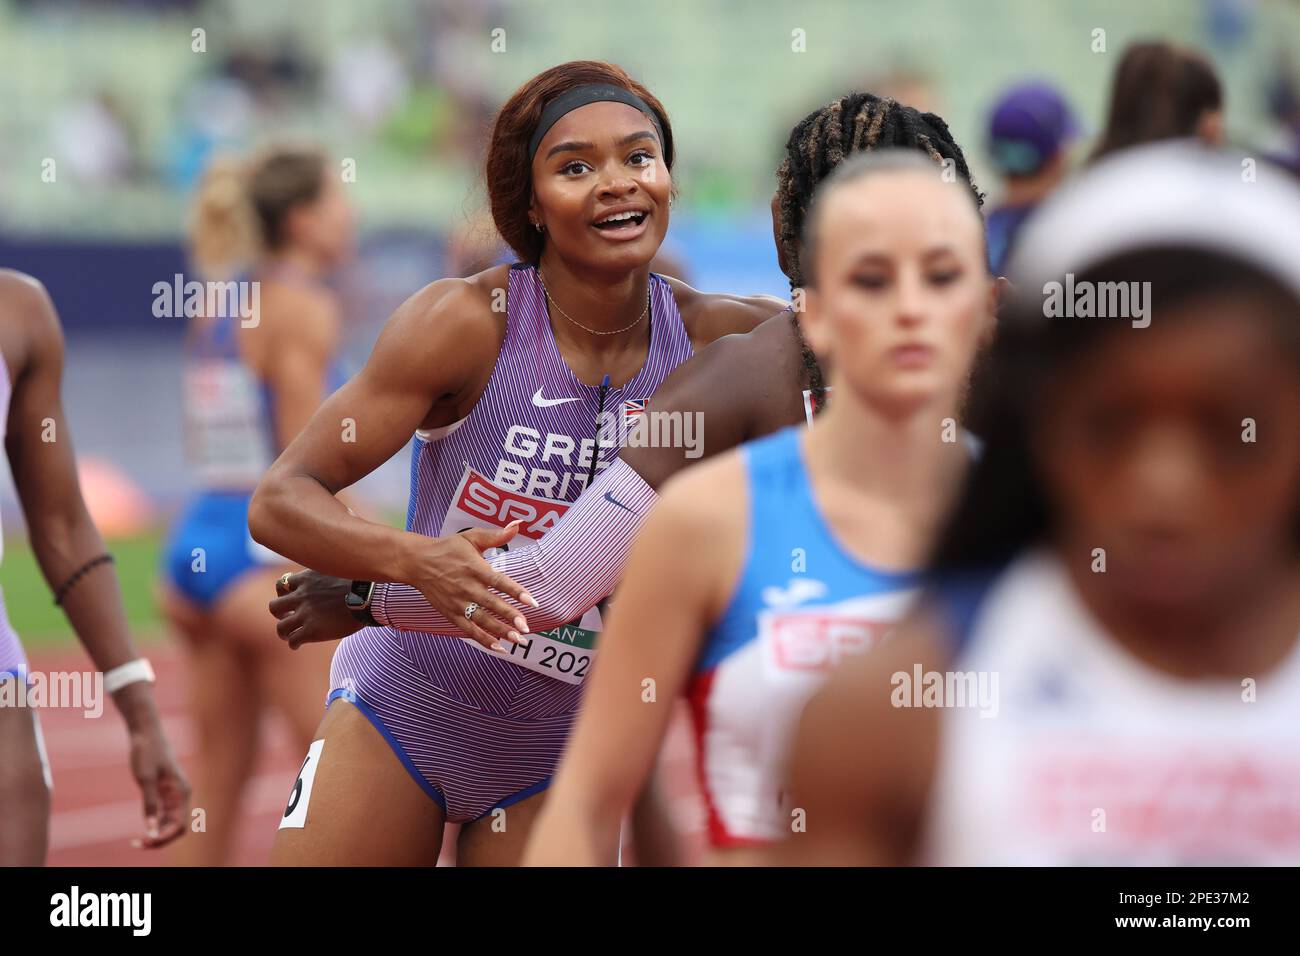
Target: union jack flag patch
x=633 y=410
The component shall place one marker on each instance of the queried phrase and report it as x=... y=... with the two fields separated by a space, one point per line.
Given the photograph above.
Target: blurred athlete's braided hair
x=819 y=143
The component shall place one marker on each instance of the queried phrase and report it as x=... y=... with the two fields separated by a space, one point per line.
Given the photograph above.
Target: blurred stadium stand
x=114 y=93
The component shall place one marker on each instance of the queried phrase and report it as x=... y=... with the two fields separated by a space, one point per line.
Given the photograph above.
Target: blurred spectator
x=93 y=138
x=254 y=86
x=904 y=83
x=1030 y=132
x=453 y=65
x=273 y=71
x=1228 y=23
x=216 y=113
x=1162 y=91
x=368 y=79
x=1282 y=95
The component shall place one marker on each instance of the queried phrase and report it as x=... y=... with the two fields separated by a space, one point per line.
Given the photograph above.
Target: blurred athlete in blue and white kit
x=278 y=224
x=1123 y=570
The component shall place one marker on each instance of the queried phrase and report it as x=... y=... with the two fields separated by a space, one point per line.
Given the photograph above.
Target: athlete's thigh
x=499 y=838
x=191 y=622
x=295 y=683
x=24 y=796
x=357 y=804
x=242 y=612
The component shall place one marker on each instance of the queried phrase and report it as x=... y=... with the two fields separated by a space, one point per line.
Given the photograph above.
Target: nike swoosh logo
x=609 y=496
x=548 y=402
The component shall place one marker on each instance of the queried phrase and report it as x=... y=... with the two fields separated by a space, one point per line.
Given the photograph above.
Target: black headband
x=588 y=93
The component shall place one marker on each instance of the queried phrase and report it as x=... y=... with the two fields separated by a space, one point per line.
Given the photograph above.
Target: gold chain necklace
x=583 y=327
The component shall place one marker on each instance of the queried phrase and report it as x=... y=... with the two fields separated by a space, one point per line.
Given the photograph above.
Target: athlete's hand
x=163 y=786
x=312 y=609
x=453 y=574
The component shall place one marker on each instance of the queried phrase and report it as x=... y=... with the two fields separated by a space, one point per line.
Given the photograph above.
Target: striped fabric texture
x=474 y=729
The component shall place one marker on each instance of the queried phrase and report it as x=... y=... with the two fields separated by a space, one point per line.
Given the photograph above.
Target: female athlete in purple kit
x=497 y=375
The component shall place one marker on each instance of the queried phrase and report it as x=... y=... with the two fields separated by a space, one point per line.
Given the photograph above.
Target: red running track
x=96 y=807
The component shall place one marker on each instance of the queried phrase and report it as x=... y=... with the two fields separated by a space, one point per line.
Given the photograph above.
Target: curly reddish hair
x=510 y=172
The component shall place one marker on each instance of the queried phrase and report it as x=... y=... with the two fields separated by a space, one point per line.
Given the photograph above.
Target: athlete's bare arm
x=678 y=580
x=653 y=832
x=427 y=369
x=63 y=538
x=741 y=386
x=860 y=767
x=708 y=316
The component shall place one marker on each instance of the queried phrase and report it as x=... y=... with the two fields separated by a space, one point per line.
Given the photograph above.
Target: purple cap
x=1030 y=123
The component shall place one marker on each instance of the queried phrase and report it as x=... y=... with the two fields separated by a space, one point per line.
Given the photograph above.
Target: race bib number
x=295 y=811
x=224 y=437
x=565 y=653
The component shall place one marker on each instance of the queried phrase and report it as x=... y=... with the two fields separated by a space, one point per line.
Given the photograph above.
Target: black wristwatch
x=358 y=601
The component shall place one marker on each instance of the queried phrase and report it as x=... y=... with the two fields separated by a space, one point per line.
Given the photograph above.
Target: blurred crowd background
x=130 y=98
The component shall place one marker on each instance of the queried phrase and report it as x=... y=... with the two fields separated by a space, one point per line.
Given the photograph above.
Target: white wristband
x=128 y=673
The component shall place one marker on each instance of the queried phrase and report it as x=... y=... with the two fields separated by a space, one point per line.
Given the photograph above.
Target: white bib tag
x=224 y=429
x=295 y=812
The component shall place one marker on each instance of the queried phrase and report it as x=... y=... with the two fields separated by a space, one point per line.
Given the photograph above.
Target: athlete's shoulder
x=22 y=294
x=492 y=283
x=470 y=311
x=28 y=315
x=711 y=315
x=472 y=296
x=765 y=340
x=720 y=379
x=718 y=385
x=769 y=345
x=722 y=367
x=298 y=312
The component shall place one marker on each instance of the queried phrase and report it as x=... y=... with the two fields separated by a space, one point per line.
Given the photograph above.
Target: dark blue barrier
x=97 y=285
